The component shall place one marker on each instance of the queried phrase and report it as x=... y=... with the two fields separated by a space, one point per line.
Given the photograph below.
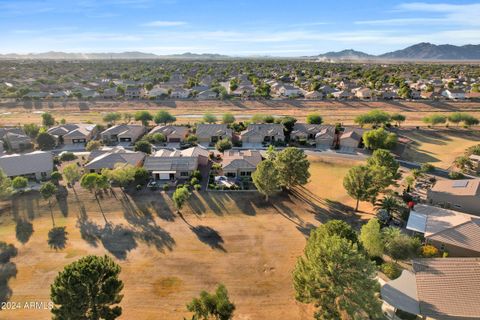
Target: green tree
x=180 y=196
x=164 y=117
x=89 y=288
x=266 y=178
x=435 y=119
x=456 y=118
x=47 y=119
x=143 y=116
x=335 y=276
x=143 y=146
x=314 y=118
x=112 y=117
x=399 y=246
x=379 y=139
x=463 y=163
x=5 y=186
x=89 y=181
x=385 y=167
x=46 y=141
x=212 y=305
x=360 y=184
x=288 y=123
x=339 y=228
x=292 y=165
x=209 y=118
x=122 y=175
x=223 y=145
x=71 y=172
x=93 y=145
x=228 y=118
x=371 y=238
x=56 y=177
x=127 y=117
x=398 y=118
x=31 y=130
x=374 y=118
x=19 y=183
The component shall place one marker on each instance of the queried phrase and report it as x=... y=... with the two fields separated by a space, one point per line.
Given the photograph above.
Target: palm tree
x=388 y=203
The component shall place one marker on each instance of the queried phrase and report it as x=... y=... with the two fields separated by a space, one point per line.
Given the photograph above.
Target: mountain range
x=420 y=51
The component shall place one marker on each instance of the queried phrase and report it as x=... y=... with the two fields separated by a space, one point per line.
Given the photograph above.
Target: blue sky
x=240 y=27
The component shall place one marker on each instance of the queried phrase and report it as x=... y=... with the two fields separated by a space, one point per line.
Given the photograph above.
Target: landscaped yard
x=439 y=146
x=233 y=238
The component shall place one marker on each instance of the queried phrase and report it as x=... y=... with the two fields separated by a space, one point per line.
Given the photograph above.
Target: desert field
x=233 y=238
x=189 y=111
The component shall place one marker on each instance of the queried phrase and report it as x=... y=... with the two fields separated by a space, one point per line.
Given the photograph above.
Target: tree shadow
x=62 y=201
x=209 y=236
x=89 y=230
x=306 y=229
x=118 y=240
x=57 y=238
x=23 y=230
x=8 y=270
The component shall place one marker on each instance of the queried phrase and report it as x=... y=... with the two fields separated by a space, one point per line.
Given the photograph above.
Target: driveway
x=205 y=171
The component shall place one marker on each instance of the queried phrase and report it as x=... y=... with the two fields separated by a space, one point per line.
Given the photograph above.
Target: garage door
x=174 y=139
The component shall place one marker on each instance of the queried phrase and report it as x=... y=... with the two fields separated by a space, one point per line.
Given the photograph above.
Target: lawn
x=233 y=238
x=439 y=146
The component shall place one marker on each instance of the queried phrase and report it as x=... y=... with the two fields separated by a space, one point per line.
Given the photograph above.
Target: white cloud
x=163 y=23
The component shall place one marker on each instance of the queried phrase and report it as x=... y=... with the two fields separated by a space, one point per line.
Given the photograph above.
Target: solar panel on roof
x=460 y=183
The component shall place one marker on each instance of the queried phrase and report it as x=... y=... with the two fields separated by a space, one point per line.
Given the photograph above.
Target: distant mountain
x=348 y=54
x=53 y=55
x=428 y=51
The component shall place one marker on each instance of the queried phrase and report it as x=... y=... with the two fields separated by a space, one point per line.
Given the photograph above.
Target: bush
x=194 y=181
x=68 y=156
x=197 y=174
x=211 y=186
x=455 y=175
x=429 y=251
x=166 y=187
x=427 y=167
x=391 y=270
x=197 y=187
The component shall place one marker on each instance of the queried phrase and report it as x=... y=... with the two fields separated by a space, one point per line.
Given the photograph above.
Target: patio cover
x=401 y=293
x=417 y=222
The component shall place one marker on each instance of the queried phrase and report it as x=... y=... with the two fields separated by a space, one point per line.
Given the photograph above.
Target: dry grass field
x=233 y=238
x=191 y=111
x=439 y=146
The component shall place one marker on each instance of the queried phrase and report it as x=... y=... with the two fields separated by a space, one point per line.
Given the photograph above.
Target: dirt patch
x=166 y=286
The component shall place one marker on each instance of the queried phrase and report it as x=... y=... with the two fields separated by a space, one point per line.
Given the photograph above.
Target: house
x=327 y=137
x=304 y=131
x=287 y=90
x=313 y=95
x=351 y=138
x=37 y=165
x=263 y=132
x=454 y=94
x=133 y=92
x=123 y=133
x=461 y=195
x=450 y=231
x=211 y=133
x=343 y=94
x=157 y=93
x=172 y=133
x=440 y=288
x=15 y=139
x=69 y=134
x=207 y=94
x=240 y=163
x=170 y=167
x=180 y=93
x=198 y=151
x=472 y=95
x=109 y=158
x=110 y=93
x=363 y=93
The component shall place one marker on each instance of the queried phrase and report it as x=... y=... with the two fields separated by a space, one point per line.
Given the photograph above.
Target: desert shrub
x=427 y=167
x=197 y=174
x=165 y=187
x=68 y=156
x=197 y=187
x=391 y=270
x=194 y=181
x=455 y=175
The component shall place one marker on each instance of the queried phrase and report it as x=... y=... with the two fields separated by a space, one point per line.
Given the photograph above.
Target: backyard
x=233 y=238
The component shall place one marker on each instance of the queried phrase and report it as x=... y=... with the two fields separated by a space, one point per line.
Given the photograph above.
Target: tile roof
x=448 y=288
x=170 y=130
x=263 y=129
x=458 y=187
x=465 y=235
x=247 y=159
x=109 y=159
x=208 y=130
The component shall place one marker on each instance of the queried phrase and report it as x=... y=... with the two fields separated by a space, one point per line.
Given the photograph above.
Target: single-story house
x=69 y=134
x=133 y=92
x=180 y=93
x=211 y=133
x=351 y=138
x=36 y=165
x=450 y=231
x=314 y=95
x=363 y=93
x=305 y=131
x=158 y=92
x=454 y=94
x=462 y=195
x=172 y=133
x=109 y=158
x=170 y=167
x=123 y=133
x=110 y=93
x=17 y=140
x=440 y=288
x=240 y=163
x=206 y=95
x=288 y=90
x=262 y=132
x=327 y=137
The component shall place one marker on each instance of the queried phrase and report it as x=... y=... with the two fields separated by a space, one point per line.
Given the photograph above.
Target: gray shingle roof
x=263 y=129
x=208 y=130
x=27 y=163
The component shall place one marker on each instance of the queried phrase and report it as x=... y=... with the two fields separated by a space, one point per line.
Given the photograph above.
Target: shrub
x=166 y=187
x=455 y=175
x=68 y=156
x=391 y=270
x=427 y=167
x=429 y=251
x=197 y=174
x=194 y=181
x=197 y=187
x=211 y=186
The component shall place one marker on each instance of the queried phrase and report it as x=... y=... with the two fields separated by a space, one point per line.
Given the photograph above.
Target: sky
x=237 y=28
